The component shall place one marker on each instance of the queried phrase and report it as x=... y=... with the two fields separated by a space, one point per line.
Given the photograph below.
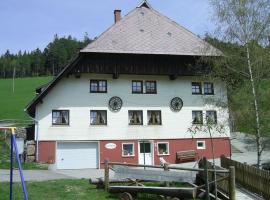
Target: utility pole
x=13 y=80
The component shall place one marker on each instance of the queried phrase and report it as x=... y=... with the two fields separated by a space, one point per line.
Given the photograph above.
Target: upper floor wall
x=73 y=94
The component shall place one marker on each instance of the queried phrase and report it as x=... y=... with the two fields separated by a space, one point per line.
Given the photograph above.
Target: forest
x=49 y=61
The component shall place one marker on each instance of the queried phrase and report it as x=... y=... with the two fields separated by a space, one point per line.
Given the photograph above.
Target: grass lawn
x=5 y=159
x=13 y=104
x=63 y=189
x=54 y=190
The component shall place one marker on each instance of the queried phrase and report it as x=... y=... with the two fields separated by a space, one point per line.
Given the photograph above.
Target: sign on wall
x=110 y=146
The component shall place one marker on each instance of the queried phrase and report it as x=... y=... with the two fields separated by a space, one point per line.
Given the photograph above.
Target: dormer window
x=98 y=86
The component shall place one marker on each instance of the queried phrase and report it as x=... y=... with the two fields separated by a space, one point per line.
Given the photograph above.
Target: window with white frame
x=197 y=117
x=211 y=116
x=135 y=117
x=163 y=148
x=128 y=149
x=201 y=144
x=60 y=117
x=154 y=117
x=98 y=117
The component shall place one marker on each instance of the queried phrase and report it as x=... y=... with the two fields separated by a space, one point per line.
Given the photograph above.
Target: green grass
x=12 y=104
x=63 y=189
x=5 y=159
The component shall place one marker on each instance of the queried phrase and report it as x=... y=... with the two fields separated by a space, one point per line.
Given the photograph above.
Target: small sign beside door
x=110 y=146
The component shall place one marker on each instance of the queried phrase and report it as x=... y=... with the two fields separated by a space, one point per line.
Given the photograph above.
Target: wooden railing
x=224 y=186
x=251 y=178
x=204 y=170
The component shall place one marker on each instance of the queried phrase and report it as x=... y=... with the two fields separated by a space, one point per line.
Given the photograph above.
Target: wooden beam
x=232 y=183
x=106 y=175
x=167 y=191
x=115 y=72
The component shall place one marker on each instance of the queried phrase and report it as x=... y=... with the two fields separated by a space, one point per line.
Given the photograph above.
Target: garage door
x=77 y=155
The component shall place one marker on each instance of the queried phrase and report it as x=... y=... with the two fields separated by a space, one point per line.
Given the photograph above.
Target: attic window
x=142 y=13
x=142 y=30
x=169 y=34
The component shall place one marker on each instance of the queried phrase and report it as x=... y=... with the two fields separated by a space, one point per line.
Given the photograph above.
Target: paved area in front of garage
x=44 y=175
x=31 y=175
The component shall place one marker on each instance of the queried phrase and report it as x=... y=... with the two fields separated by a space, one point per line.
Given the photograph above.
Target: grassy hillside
x=13 y=104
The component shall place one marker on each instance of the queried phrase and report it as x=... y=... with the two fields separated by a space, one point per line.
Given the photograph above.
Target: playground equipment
x=14 y=146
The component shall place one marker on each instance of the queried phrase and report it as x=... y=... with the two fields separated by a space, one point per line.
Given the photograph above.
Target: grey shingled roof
x=146 y=31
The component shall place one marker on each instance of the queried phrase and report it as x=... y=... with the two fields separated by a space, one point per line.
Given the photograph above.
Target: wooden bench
x=186 y=155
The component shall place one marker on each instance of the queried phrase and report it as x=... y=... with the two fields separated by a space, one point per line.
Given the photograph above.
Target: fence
x=251 y=178
x=223 y=185
x=168 y=176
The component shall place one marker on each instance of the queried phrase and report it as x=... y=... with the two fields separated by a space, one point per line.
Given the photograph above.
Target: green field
x=63 y=189
x=12 y=104
x=54 y=190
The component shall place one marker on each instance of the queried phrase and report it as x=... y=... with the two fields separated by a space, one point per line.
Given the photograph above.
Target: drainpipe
x=36 y=134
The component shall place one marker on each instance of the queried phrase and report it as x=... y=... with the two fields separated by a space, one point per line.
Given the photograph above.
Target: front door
x=145 y=153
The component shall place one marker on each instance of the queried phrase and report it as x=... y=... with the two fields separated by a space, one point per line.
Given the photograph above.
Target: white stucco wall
x=73 y=94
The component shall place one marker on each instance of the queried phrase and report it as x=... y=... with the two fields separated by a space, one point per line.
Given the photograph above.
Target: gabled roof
x=142 y=31
x=146 y=31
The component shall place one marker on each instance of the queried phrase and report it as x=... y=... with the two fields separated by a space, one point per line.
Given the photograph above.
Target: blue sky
x=30 y=24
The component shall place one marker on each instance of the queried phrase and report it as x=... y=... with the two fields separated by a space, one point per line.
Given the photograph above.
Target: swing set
x=14 y=146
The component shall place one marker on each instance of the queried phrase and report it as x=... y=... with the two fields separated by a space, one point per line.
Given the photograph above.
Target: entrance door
x=145 y=153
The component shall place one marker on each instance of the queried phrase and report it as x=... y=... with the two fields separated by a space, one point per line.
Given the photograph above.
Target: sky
x=30 y=24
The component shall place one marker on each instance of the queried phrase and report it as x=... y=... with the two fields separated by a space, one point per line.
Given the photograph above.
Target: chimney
x=117 y=15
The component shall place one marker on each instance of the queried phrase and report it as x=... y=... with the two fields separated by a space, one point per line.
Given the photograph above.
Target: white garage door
x=77 y=155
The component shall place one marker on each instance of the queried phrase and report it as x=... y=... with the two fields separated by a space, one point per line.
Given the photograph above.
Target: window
x=151 y=87
x=60 y=117
x=127 y=149
x=98 y=117
x=135 y=117
x=137 y=87
x=200 y=144
x=208 y=88
x=163 y=148
x=196 y=88
x=197 y=117
x=154 y=117
x=211 y=117
x=98 y=86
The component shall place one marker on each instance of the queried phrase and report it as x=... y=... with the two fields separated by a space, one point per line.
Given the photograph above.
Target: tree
x=246 y=22
x=211 y=127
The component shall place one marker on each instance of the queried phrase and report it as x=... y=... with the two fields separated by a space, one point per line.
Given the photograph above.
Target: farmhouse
x=131 y=96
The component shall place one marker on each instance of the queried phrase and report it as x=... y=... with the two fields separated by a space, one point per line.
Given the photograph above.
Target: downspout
x=36 y=134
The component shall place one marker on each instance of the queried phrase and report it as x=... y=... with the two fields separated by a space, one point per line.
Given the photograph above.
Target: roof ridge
x=145 y=3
